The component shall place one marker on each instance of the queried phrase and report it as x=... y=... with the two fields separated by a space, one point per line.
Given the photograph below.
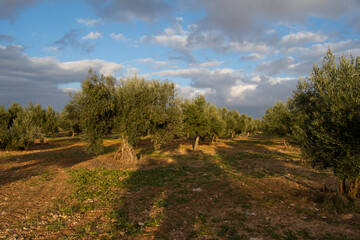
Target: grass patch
x=155 y=177
x=99 y=184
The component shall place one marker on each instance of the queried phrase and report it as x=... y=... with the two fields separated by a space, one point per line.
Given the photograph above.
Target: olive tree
x=216 y=124
x=196 y=120
x=147 y=108
x=277 y=121
x=96 y=104
x=326 y=107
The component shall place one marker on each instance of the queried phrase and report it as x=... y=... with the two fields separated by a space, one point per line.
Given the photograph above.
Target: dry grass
x=235 y=189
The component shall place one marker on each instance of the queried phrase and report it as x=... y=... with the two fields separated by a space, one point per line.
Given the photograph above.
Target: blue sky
x=242 y=54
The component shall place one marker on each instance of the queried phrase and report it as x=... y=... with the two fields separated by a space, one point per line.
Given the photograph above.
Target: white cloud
x=93 y=35
x=301 y=38
x=257 y=78
x=25 y=79
x=317 y=51
x=156 y=64
x=276 y=80
x=167 y=39
x=239 y=90
x=88 y=21
x=189 y=92
x=209 y=64
x=253 y=57
x=102 y=66
x=119 y=36
x=245 y=46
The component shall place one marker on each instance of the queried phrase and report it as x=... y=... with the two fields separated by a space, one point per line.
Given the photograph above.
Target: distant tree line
x=323 y=118
x=131 y=108
x=134 y=108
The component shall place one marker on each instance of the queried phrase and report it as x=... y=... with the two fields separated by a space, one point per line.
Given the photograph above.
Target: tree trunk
x=188 y=135
x=342 y=187
x=232 y=135
x=196 y=143
x=285 y=143
x=213 y=138
x=73 y=134
x=126 y=153
x=354 y=186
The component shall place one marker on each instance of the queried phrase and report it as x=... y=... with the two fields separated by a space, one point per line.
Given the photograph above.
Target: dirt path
x=236 y=189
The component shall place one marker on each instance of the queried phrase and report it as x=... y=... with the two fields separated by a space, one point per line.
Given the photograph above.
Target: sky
x=241 y=54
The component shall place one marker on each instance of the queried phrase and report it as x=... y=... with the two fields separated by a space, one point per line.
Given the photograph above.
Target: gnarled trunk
x=354 y=186
x=342 y=187
x=126 y=153
x=196 y=143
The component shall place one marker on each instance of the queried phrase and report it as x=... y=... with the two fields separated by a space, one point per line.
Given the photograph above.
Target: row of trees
x=19 y=126
x=323 y=119
x=134 y=107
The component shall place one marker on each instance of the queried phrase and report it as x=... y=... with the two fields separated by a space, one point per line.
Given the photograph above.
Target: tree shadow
x=200 y=194
x=27 y=165
x=181 y=199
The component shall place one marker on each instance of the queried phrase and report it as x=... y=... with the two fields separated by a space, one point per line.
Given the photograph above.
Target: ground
x=243 y=188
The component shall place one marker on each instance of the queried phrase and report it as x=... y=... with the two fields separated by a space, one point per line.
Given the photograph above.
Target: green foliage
x=18 y=127
x=14 y=111
x=277 y=120
x=51 y=121
x=326 y=107
x=196 y=121
x=216 y=123
x=147 y=107
x=232 y=122
x=38 y=114
x=70 y=118
x=23 y=132
x=96 y=105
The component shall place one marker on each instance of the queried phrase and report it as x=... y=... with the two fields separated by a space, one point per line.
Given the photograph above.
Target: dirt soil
x=242 y=188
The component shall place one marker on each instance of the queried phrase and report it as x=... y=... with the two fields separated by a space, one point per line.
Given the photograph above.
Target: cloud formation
x=6 y=38
x=9 y=9
x=252 y=17
x=129 y=10
x=25 y=79
x=233 y=89
x=118 y=36
x=88 y=21
x=70 y=39
x=93 y=35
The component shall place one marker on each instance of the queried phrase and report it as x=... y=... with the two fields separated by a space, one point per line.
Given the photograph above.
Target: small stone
x=324 y=217
x=250 y=214
x=88 y=201
x=197 y=189
x=267 y=219
x=3 y=213
x=303 y=218
x=141 y=224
